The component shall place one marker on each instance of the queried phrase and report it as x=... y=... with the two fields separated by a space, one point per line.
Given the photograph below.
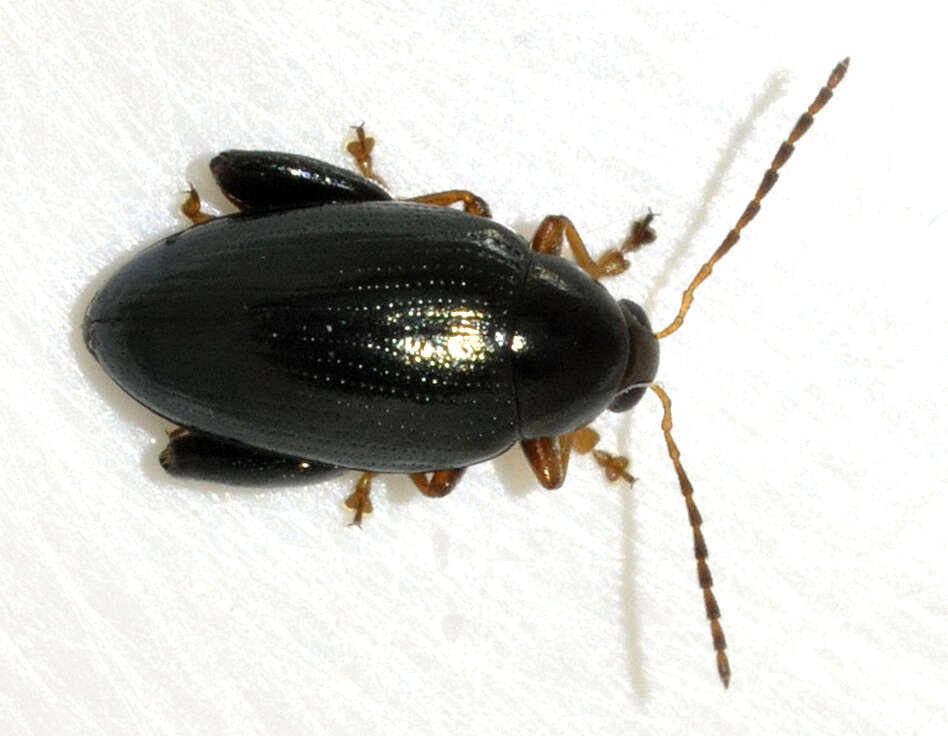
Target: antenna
x=766 y=184
x=687 y=490
x=701 y=549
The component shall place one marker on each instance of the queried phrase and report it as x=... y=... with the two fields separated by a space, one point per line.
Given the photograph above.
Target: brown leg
x=361 y=150
x=614 y=466
x=552 y=230
x=549 y=458
x=613 y=261
x=442 y=482
x=472 y=203
x=359 y=500
x=192 y=208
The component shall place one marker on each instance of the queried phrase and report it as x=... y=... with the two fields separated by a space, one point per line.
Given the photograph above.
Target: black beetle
x=326 y=327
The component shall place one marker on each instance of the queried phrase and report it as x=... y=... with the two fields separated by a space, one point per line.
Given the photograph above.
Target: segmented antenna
x=701 y=549
x=770 y=178
x=753 y=207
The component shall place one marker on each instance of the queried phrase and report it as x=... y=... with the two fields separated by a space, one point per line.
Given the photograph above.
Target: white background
x=809 y=380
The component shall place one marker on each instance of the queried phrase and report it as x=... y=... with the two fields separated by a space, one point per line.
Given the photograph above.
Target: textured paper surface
x=808 y=382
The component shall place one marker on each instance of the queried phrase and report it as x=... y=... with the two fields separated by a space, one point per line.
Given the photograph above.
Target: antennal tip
x=724 y=669
x=839 y=71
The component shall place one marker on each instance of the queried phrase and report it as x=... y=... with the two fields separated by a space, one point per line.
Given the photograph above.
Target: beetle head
x=643 y=357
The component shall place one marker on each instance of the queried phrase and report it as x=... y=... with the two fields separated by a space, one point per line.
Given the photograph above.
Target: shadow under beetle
x=327 y=326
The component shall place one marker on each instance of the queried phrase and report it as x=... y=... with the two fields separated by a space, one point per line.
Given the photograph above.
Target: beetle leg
x=554 y=228
x=549 y=239
x=361 y=150
x=207 y=457
x=359 y=500
x=549 y=458
x=442 y=482
x=613 y=261
x=614 y=466
x=473 y=204
x=192 y=208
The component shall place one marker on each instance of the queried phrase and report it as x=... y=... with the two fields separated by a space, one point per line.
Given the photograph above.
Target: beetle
x=327 y=326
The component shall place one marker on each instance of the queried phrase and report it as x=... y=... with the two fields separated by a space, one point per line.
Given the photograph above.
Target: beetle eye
x=633 y=311
x=628 y=398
